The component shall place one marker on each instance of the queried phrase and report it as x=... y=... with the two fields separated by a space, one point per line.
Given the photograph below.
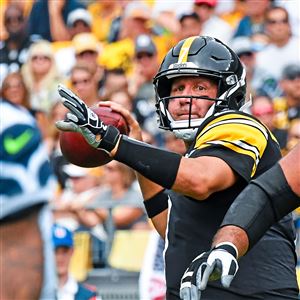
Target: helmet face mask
x=205 y=57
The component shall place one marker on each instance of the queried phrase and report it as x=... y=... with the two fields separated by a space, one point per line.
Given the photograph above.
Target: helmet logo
x=232 y=79
x=184 y=51
x=180 y=65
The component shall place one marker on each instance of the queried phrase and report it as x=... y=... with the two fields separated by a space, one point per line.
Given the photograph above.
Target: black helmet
x=200 y=56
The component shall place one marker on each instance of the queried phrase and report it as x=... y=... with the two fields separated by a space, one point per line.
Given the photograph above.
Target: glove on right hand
x=220 y=262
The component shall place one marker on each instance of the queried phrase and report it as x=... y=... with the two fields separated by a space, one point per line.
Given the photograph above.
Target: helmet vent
x=218 y=58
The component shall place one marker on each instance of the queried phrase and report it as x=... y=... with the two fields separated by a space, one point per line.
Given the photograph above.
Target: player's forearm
x=157 y=165
x=262 y=203
x=235 y=235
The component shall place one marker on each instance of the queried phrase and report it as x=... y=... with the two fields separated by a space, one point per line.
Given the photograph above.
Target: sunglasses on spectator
x=142 y=55
x=11 y=19
x=279 y=21
x=40 y=57
x=82 y=81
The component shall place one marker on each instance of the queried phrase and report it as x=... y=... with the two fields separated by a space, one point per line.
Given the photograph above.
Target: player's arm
x=155 y=198
x=262 y=203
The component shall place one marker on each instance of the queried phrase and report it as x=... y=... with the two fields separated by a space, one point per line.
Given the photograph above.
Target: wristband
x=227 y=246
x=109 y=139
x=160 y=166
x=156 y=204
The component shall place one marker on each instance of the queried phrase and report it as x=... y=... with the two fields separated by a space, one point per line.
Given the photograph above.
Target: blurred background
x=111 y=50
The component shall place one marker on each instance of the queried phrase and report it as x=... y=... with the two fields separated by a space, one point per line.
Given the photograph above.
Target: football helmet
x=199 y=56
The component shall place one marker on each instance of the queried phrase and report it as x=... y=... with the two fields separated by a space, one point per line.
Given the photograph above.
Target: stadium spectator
x=287 y=107
x=254 y=20
x=115 y=81
x=123 y=98
x=135 y=20
x=259 y=81
x=212 y=25
x=78 y=21
x=84 y=83
x=293 y=138
x=190 y=25
x=41 y=76
x=263 y=109
x=14 y=89
x=121 y=194
x=49 y=18
x=82 y=187
x=14 y=49
x=140 y=83
x=87 y=51
x=56 y=157
x=68 y=287
x=283 y=48
x=234 y=16
x=26 y=185
x=103 y=13
x=187 y=197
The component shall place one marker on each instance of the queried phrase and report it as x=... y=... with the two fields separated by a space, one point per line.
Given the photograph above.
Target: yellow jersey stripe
x=237 y=119
x=243 y=135
x=184 y=51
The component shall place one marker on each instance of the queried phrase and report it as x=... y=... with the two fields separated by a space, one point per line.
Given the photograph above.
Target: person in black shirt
x=14 y=50
x=200 y=96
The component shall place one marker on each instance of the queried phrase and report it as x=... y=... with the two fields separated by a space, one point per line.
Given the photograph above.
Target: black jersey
x=249 y=148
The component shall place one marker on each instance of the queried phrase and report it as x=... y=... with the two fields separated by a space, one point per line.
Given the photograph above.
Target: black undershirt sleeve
x=158 y=165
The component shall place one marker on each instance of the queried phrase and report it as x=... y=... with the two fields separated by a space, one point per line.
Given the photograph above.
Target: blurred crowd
x=111 y=50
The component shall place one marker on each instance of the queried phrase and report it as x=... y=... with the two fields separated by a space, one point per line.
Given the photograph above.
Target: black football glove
x=83 y=120
x=220 y=262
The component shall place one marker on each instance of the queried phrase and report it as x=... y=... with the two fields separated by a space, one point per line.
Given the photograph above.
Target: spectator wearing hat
x=283 y=48
x=259 y=81
x=48 y=18
x=68 y=287
x=145 y=66
x=87 y=52
x=190 y=25
x=134 y=21
x=212 y=25
x=78 y=21
x=287 y=107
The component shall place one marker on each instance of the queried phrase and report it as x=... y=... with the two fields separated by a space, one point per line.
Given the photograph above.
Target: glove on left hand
x=220 y=262
x=83 y=120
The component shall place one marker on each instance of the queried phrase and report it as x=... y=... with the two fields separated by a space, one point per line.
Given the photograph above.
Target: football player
x=262 y=203
x=26 y=185
x=200 y=97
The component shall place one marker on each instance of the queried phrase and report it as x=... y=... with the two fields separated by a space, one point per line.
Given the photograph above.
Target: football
x=78 y=152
